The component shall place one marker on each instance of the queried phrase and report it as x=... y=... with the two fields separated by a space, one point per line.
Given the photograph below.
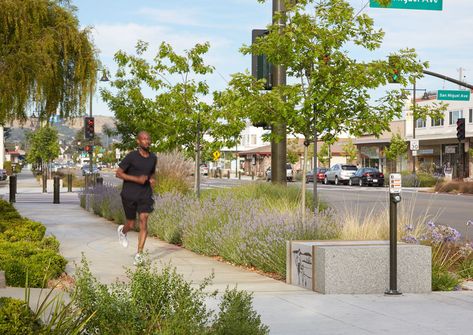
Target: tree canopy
x=44 y=145
x=46 y=61
x=167 y=98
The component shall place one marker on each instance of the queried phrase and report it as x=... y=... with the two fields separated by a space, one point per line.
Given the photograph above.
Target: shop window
x=420 y=123
x=436 y=123
x=454 y=116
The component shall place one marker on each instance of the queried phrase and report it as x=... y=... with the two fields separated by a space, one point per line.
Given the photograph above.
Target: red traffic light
x=88 y=148
x=89 y=126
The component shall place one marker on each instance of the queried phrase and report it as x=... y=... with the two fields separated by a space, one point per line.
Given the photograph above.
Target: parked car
x=3 y=174
x=86 y=169
x=204 y=169
x=367 y=176
x=320 y=175
x=289 y=173
x=339 y=174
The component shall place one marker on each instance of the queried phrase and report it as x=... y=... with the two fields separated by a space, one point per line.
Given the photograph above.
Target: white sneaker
x=139 y=259
x=122 y=237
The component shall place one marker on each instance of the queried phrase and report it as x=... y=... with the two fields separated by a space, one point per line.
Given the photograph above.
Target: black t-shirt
x=136 y=165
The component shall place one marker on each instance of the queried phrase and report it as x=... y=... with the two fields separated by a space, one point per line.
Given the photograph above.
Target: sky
x=443 y=38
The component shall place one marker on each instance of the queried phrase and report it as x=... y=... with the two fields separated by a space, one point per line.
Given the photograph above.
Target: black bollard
x=239 y=174
x=99 y=181
x=12 y=188
x=69 y=182
x=228 y=175
x=253 y=175
x=56 y=189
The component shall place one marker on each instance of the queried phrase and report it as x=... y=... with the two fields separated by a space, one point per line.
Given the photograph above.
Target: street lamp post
x=91 y=152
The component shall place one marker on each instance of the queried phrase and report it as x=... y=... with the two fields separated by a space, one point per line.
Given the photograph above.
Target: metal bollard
x=45 y=183
x=69 y=182
x=228 y=175
x=99 y=181
x=253 y=175
x=12 y=188
x=239 y=174
x=56 y=189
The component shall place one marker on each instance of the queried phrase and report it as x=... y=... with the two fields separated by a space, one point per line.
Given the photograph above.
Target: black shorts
x=133 y=206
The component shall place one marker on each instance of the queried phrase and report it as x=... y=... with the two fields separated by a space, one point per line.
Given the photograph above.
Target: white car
x=340 y=174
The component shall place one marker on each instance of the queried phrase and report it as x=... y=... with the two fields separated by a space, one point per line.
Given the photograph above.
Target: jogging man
x=137 y=170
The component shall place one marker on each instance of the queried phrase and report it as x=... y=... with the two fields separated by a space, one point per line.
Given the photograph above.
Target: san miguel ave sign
x=457 y=95
x=410 y=4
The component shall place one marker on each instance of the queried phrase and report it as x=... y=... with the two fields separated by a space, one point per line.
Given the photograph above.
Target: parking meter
x=395 y=187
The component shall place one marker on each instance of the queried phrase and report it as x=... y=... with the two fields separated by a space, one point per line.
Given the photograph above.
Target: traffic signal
x=89 y=149
x=261 y=68
x=461 y=129
x=89 y=127
x=394 y=75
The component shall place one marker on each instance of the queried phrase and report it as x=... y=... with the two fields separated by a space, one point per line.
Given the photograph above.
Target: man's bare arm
x=135 y=179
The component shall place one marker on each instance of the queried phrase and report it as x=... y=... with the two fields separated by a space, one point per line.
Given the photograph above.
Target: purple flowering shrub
x=451 y=256
x=104 y=200
x=242 y=231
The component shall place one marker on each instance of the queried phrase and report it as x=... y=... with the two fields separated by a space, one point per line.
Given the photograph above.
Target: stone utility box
x=357 y=267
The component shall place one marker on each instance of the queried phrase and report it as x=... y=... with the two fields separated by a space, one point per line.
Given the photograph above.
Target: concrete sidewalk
x=286 y=309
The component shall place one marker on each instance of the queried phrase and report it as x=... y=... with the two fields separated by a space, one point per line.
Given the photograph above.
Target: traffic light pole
x=278 y=143
x=91 y=152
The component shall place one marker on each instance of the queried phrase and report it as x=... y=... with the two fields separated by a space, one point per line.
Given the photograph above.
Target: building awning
x=262 y=151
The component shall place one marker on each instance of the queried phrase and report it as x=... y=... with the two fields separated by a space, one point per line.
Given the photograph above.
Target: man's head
x=144 y=140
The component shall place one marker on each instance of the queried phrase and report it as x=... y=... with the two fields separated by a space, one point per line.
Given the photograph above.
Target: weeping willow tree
x=46 y=61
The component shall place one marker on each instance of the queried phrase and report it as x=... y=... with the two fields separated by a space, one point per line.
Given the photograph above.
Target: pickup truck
x=289 y=173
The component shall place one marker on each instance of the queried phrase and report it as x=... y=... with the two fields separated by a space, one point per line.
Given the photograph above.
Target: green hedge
x=25 y=253
x=16 y=317
x=420 y=179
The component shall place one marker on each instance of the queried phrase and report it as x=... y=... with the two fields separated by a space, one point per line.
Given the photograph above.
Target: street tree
x=323 y=155
x=43 y=147
x=350 y=151
x=175 y=113
x=335 y=88
x=396 y=150
x=47 y=61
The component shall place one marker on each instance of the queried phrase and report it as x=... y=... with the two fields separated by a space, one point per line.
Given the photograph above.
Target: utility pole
x=414 y=126
x=279 y=141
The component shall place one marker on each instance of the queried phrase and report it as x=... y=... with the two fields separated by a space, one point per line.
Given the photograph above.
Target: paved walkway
x=286 y=309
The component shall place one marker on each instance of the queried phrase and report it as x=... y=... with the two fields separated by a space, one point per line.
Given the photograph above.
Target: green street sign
x=453 y=95
x=410 y=4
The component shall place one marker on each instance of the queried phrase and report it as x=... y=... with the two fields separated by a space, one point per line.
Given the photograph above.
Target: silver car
x=340 y=174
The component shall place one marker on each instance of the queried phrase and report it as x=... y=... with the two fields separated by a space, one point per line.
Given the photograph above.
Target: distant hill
x=66 y=129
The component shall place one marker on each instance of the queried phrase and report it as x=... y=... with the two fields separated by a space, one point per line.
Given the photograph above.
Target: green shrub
x=22 y=259
x=17 y=318
x=21 y=230
x=152 y=302
x=444 y=280
x=7 y=211
x=420 y=179
x=272 y=196
x=465 y=268
x=237 y=316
